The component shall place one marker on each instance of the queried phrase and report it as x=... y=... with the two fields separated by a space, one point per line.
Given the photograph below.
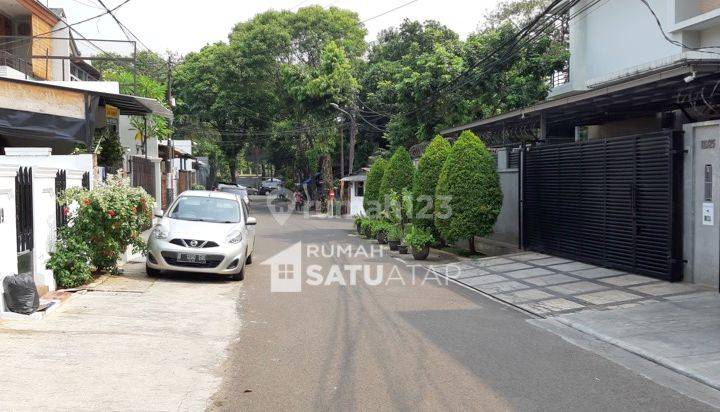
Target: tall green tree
x=468 y=195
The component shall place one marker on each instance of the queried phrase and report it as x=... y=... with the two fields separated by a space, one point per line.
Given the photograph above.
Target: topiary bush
x=426 y=178
x=399 y=174
x=371 y=199
x=106 y=220
x=468 y=195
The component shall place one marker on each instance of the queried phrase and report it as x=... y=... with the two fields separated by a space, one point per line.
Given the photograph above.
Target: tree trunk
x=233 y=169
x=471 y=243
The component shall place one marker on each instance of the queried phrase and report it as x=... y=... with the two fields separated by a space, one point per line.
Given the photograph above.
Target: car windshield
x=206 y=209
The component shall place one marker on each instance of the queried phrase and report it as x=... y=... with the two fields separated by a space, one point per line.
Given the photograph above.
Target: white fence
x=44 y=171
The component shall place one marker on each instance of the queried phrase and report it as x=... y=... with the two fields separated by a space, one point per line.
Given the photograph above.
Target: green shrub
x=399 y=174
x=468 y=195
x=107 y=220
x=366 y=227
x=371 y=199
x=70 y=262
x=418 y=237
x=426 y=178
x=394 y=233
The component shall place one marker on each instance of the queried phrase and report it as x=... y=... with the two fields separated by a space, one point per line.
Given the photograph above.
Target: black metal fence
x=86 y=180
x=612 y=202
x=60 y=186
x=24 y=209
x=143 y=174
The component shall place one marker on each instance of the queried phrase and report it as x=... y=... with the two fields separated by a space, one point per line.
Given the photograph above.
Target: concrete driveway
x=134 y=344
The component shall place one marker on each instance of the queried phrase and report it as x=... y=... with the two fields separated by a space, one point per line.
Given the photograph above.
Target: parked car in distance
x=203 y=232
x=268 y=185
x=236 y=189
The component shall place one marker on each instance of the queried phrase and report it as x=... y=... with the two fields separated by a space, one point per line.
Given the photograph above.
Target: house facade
x=618 y=167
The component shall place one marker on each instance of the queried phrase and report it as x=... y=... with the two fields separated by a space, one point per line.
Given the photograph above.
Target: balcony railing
x=559 y=78
x=77 y=73
x=15 y=62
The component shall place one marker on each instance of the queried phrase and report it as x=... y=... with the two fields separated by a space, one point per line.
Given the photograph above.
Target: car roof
x=207 y=193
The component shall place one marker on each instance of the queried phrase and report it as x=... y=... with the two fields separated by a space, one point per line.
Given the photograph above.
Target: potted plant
x=393 y=237
x=419 y=240
x=403 y=249
x=358 y=223
x=366 y=227
x=382 y=232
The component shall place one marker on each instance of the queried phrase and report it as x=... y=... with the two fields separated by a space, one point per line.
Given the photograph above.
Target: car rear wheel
x=152 y=273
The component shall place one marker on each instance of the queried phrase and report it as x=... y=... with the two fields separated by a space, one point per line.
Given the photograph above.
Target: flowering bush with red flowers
x=106 y=220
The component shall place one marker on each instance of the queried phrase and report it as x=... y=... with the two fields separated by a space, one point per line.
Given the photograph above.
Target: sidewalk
x=674 y=324
x=129 y=343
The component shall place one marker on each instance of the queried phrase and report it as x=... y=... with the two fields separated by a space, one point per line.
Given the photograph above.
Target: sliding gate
x=611 y=202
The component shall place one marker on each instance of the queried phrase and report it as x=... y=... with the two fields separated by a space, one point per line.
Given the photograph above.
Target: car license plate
x=191 y=258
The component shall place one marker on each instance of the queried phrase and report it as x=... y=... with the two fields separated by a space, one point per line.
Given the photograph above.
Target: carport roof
x=658 y=91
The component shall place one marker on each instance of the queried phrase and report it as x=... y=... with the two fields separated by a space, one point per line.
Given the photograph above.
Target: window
x=359 y=189
x=286 y=271
x=206 y=209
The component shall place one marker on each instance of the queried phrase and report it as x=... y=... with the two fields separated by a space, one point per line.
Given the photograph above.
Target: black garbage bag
x=21 y=295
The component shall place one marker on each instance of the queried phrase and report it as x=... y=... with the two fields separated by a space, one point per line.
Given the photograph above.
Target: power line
x=125 y=29
x=390 y=11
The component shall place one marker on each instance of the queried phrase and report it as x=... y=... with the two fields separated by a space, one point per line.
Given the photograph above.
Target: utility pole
x=171 y=149
x=353 y=136
x=342 y=152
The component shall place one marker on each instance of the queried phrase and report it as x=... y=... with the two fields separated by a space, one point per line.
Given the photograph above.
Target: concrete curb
x=639 y=352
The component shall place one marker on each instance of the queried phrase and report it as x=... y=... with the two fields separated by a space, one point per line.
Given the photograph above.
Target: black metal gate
x=611 y=202
x=60 y=186
x=24 y=218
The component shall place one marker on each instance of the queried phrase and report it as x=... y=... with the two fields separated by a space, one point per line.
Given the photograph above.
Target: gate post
x=44 y=223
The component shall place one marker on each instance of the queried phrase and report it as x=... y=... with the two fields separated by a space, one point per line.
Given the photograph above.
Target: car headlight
x=159 y=232
x=235 y=237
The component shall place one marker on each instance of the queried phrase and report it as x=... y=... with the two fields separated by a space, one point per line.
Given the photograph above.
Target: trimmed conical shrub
x=468 y=195
x=399 y=174
x=426 y=179
x=371 y=200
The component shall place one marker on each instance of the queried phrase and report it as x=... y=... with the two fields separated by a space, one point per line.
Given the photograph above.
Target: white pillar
x=8 y=246
x=74 y=178
x=44 y=223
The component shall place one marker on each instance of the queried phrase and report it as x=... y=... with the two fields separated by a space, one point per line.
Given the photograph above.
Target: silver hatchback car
x=203 y=232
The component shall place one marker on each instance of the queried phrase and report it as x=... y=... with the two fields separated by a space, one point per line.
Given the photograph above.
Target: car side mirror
x=251 y=221
x=158 y=214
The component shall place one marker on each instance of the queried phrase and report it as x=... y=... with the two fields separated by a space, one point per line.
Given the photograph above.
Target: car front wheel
x=240 y=275
x=152 y=273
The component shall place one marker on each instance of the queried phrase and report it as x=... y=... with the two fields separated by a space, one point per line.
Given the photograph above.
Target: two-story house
x=619 y=166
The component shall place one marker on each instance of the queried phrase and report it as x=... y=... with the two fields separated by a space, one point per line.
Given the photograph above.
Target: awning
x=127 y=104
x=662 y=90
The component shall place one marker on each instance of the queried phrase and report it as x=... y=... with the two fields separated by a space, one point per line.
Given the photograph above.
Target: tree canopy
x=279 y=83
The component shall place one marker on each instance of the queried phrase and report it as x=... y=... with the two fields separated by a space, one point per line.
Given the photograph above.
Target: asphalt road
x=404 y=347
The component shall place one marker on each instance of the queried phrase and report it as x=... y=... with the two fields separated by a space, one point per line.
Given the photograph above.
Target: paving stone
x=501 y=287
x=482 y=280
x=627 y=280
x=577 y=287
x=528 y=273
x=508 y=268
x=481 y=263
x=608 y=296
x=525 y=296
x=551 y=280
x=469 y=273
x=571 y=267
x=550 y=306
x=529 y=256
x=550 y=261
x=665 y=288
x=597 y=273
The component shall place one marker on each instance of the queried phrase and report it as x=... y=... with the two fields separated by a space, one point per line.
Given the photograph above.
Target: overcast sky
x=184 y=25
